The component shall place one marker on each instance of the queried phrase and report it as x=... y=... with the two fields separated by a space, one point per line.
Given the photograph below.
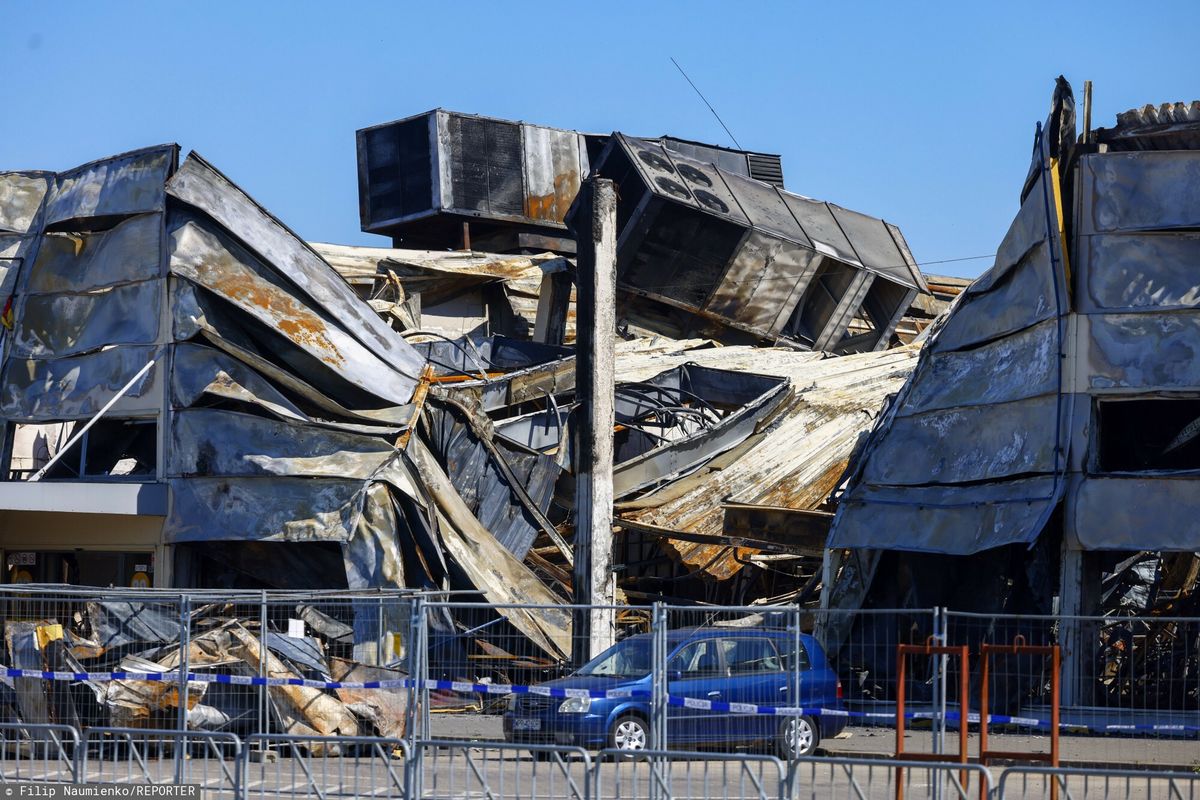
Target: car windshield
x=627 y=659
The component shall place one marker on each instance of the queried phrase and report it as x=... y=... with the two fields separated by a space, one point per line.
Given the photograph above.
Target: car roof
x=677 y=635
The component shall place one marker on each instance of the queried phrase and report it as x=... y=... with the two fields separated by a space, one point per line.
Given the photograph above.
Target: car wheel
x=798 y=736
x=629 y=733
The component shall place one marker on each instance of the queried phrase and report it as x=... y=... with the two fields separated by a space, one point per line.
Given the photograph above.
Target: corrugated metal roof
x=794 y=461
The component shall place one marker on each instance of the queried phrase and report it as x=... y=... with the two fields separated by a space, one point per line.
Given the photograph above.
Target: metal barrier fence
x=325 y=767
x=391 y=666
x=41 y=753
x=495 y=770
x=139 y=756
x=665 y=774
x=1037 y=783
x=878 y=778
x=333 y=767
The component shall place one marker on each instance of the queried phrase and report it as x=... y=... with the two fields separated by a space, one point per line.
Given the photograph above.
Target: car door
x=696 y=671
x=756 y=675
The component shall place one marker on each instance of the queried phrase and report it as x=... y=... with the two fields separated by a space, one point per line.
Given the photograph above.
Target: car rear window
x=787 y=652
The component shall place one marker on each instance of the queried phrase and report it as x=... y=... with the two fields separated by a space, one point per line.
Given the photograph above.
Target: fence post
x=185 y=644
x=263 y=708
x=658 y=696
x=416 y=680
x=939 y=683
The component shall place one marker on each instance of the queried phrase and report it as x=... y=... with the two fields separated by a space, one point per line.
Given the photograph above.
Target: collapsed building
x=1045 y=449
x=195 y=397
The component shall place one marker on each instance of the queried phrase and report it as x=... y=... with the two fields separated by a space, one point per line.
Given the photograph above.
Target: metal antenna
x=710 y=108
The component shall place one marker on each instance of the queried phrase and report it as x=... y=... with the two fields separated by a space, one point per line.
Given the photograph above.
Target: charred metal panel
x=965 y=445
x=267 y=509
x=131 y=183
x=674 y=399
x=54 y=325
x=79 y=386
x=765 y=281
x=1023 y=298
x=1012 y=368
x=943 y=519
x=1145 y=351
x=21 y=195
x=1138 y=513
x=199 y=184
x=214 y=442
x=1139 y=191
x=1141 y=271
x=483 y=484
x=86 y=260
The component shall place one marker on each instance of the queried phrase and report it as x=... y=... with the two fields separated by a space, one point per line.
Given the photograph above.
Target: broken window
x=1160 y=433
x=111 y=448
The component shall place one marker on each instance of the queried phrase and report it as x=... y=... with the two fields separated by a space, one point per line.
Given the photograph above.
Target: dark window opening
x=1152 y=434
x=112 y=449
x=820 y=300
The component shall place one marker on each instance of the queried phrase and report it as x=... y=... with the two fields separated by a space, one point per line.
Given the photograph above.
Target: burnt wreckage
x=1045 y=449
x=186 y=378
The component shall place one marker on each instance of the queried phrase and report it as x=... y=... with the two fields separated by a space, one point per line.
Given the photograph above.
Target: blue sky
x=919 y=113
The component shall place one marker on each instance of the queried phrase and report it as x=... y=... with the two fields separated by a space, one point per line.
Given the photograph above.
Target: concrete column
x=596 y=325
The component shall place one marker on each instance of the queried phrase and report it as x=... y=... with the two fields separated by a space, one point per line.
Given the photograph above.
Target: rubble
x=323 y=416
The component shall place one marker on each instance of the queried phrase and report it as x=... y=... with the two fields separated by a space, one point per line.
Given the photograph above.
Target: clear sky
x=920 y=113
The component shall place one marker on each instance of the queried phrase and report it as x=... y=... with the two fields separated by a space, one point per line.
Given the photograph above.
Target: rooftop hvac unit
x=420 y=178
x=725 y=248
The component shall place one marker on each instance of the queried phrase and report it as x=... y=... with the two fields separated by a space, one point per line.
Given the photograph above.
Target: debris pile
x=145 y=637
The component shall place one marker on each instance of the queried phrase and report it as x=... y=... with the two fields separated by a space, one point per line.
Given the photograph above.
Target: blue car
x=725 y=664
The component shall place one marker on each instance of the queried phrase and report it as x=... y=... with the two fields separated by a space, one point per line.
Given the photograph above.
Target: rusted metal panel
x=199 y=184
x=130 y=183
x=553 y=169
x=212 y=260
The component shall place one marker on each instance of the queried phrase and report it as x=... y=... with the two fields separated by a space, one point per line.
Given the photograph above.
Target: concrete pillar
x=596 y=322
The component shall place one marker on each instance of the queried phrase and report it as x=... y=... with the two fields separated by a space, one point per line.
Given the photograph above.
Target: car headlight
x=575 y=705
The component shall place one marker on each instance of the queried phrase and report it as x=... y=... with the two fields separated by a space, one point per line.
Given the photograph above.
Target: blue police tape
x=694 y=703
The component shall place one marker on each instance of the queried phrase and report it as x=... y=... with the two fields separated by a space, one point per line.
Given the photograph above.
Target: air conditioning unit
x=721 y=248
x=421 y=178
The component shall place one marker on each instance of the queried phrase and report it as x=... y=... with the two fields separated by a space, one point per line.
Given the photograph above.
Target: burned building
x=1045 y=449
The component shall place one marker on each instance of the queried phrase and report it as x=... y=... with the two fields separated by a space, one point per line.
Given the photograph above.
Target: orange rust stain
x=554 y=206
x=293 y=320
